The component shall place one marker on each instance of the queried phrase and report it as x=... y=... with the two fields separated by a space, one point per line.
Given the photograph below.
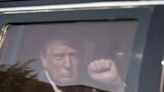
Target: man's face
x=62 y=63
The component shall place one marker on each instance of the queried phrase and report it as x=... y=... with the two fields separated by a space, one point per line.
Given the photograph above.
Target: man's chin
x=65 y=81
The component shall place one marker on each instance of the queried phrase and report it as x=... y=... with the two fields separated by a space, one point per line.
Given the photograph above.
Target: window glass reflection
x=72 y=57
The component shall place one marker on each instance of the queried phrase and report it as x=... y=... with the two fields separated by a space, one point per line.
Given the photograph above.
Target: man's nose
x=68 y=61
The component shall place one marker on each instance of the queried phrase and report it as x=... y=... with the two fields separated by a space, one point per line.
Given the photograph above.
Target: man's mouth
x=66 y=73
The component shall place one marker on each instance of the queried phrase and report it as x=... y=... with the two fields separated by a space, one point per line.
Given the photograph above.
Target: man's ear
x=43 y=60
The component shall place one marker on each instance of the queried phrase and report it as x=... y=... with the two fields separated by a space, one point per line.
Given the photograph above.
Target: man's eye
x=58 y=56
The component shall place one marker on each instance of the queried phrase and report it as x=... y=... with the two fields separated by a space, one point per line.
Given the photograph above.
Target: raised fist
x=105 y=71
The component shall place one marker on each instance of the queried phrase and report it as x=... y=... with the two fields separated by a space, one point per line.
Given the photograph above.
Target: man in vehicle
x=63 y=69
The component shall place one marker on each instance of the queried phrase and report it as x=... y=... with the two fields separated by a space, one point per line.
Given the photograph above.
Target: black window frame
x=149 y=39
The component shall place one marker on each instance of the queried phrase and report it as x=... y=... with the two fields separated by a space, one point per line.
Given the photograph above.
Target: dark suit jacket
x=80 y=88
